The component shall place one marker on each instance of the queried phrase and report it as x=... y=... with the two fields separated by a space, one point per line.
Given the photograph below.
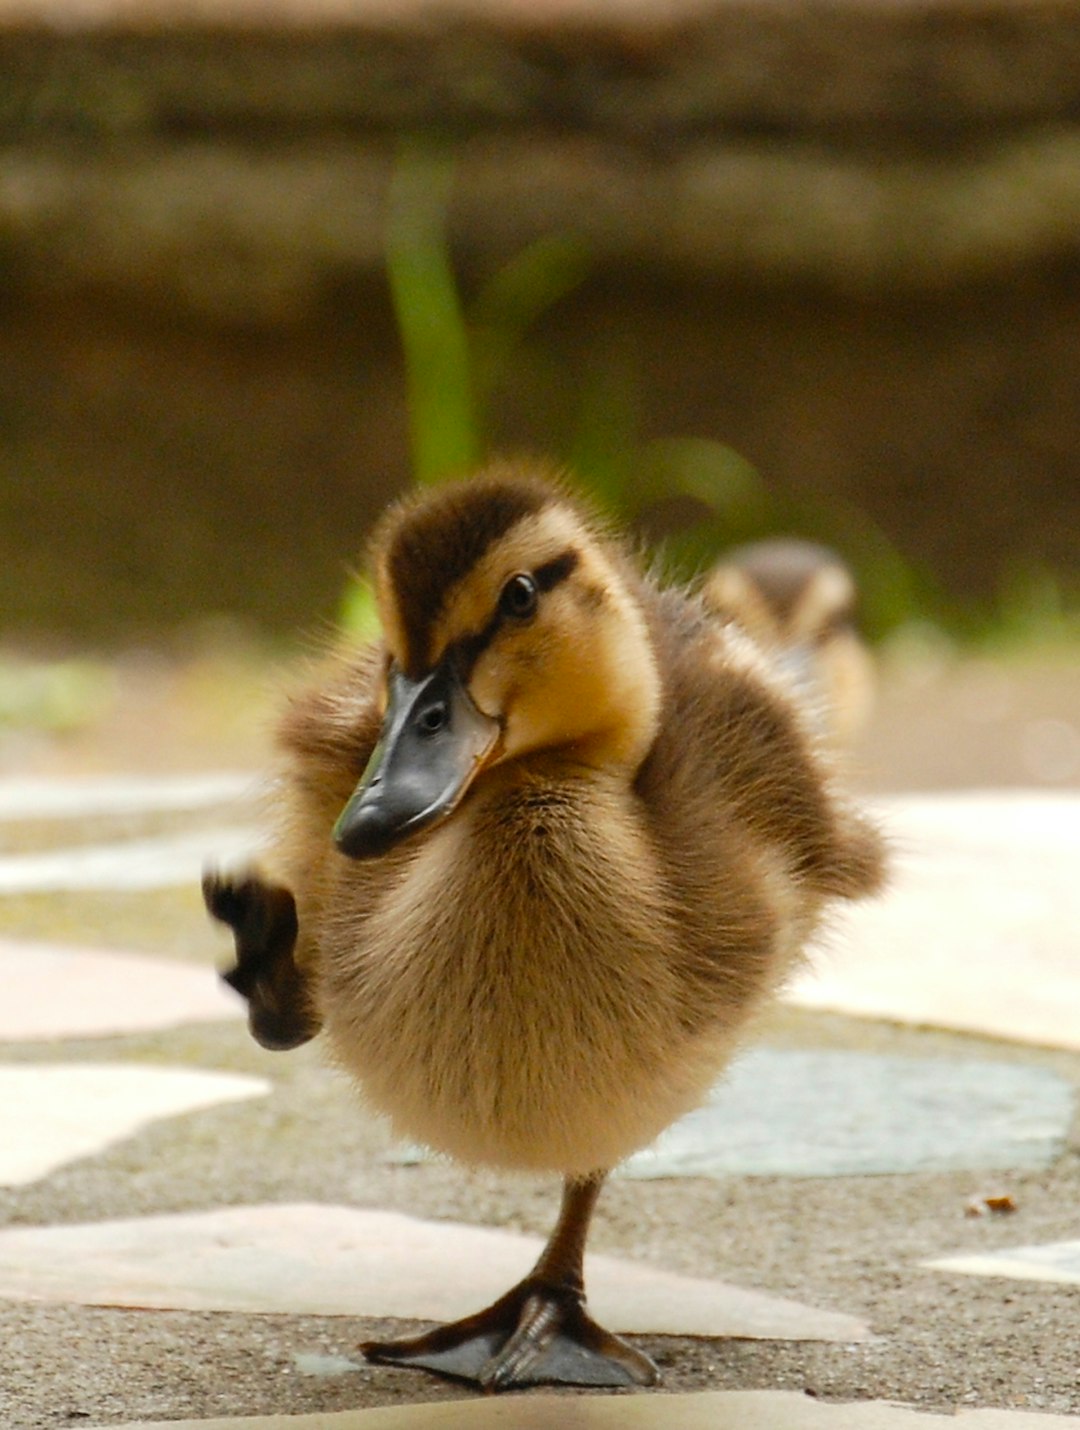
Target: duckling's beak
x=433 y=743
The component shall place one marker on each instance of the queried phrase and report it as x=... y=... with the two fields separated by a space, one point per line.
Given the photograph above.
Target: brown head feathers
x=427 y=546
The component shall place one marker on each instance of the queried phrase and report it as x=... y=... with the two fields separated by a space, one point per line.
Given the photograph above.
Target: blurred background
x=745 y=268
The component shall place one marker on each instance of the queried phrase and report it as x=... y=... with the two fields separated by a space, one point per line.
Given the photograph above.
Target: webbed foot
x=537 y=1334
x=262 y=917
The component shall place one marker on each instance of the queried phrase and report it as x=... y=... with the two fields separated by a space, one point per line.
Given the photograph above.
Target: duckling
x=540 y=854
x=797 y=600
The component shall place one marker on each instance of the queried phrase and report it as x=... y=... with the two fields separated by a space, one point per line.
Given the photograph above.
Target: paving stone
x=325 y=1367
x=1053 y=1261
x=92 y=797
x=832 y=1114
x=129 y=864
x=52 y=1113
x=707 y=1410
x=61 y=991
x=979 y=928
x=342 y=1261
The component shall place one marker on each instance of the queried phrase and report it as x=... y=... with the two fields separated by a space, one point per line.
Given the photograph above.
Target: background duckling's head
x=511 y=631
x=798 y=601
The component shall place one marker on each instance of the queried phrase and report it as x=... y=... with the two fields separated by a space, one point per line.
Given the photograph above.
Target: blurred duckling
x=797 y=600
x=540 y=854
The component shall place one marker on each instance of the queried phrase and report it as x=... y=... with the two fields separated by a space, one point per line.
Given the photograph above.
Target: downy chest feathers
x=509 y=998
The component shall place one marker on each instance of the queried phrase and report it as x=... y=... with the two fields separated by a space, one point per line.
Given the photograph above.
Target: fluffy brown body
x=552 y=971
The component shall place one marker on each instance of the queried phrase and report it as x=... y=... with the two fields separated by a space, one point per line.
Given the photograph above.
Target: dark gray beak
x=432 y=744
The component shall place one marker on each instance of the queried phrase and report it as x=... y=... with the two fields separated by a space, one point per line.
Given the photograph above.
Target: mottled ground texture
x=809 y=1230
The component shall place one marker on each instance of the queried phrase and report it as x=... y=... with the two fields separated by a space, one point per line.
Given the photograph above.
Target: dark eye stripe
x=552 y=572
x=439 y=541
x=468 y=650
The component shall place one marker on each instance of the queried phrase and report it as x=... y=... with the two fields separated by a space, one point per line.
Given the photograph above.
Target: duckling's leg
x=540 y=1331
x=262 y=917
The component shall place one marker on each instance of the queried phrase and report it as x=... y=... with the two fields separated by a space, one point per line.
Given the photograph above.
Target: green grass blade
x=442 y=408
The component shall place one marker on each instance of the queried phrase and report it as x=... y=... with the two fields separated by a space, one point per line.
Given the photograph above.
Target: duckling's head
x=511 y=632
x=798 y=600
x=785 y=592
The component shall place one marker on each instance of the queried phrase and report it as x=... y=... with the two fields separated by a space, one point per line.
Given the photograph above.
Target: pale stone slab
x=54 y=1113
x=59 y=991
x=94 y=797
x=325 y=1367
x=830 y=1114
x=980 y=928
x=1053 y=1261
x=129 y=864
x=342 y=1261
x=705 y=1410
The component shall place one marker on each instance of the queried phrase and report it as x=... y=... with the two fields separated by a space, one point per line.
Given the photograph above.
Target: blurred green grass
x=685 y=497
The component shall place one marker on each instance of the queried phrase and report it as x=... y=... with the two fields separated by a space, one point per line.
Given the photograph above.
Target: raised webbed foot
x=537 y=1334
x=262 y=917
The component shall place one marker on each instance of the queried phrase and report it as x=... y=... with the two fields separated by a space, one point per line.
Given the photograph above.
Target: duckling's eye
x=519 y=597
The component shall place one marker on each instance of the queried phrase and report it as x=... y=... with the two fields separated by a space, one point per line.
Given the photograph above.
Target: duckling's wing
x=325 y=740
x=276 y=911
x=736 y=749
x=329 y=728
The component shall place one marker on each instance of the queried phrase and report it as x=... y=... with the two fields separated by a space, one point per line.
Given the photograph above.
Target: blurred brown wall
x=843 y=238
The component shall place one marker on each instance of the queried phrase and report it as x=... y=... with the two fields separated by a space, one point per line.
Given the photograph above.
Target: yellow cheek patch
x=582 y=680
x=731 y=595
x=828 y=597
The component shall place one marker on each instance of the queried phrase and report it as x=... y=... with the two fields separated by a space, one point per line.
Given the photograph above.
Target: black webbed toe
x=263 y=919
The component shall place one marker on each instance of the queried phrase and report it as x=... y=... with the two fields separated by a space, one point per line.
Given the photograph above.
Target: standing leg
x=540 y=1331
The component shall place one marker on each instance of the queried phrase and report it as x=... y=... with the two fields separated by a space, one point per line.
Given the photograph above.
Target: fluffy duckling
x=540 y=854
x=797 y=601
